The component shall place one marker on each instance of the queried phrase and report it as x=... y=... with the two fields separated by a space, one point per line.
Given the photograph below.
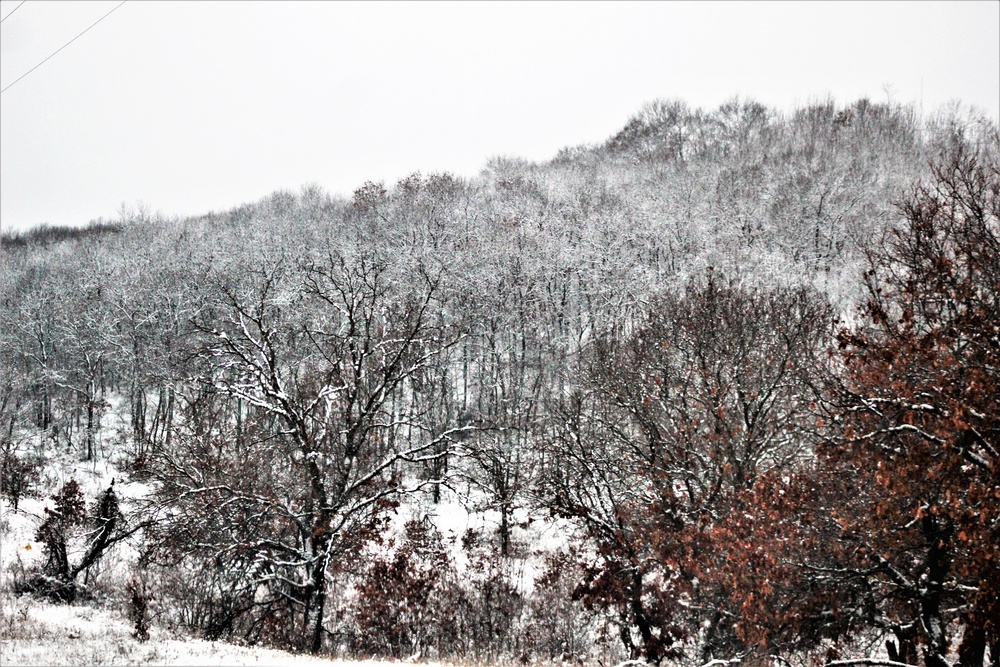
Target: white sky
x=189 y=107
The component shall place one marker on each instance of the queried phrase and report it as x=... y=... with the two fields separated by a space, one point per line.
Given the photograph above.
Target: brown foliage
x=897 y=526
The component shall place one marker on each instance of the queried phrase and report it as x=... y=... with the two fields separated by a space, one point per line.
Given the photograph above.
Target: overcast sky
x=189 y=107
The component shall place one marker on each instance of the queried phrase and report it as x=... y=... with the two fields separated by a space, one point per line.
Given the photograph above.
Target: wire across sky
x=7 y=87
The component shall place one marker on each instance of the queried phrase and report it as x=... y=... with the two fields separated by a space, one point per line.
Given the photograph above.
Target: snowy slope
x=39 y=633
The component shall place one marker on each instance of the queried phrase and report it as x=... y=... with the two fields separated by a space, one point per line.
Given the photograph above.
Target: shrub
x=405 y=601
x=18 y=476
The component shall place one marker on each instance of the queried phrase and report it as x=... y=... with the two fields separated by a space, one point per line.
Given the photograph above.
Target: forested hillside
x=741 y=366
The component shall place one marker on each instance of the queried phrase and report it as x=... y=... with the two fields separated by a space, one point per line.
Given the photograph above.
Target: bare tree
x=672 y=420
x=300 y=430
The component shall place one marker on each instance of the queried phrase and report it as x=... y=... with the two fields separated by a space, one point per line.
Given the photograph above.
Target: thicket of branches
x=747 y=362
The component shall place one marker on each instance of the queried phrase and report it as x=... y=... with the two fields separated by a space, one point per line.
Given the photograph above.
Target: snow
x=33 y=632
x=17 y=533
x=18 y=547
x=453 y=516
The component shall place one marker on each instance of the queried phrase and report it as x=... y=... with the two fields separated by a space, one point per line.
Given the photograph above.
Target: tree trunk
x=58 y=584
x=107 y=516
x=903 y=649
x=504 y=529
x=314 y=619
x=938 y=564
x=90 y=421
x=168 y=417
x=707 y=636
x=973 y=648
x=649 y=651
x=13 y=420
x=316 y=594
x=139 y=417
x=43 y=407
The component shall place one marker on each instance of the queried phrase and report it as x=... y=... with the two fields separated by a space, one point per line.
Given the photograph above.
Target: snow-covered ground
x=36 y=632
x=95 y=631
x=18 y=548
x=40 y=633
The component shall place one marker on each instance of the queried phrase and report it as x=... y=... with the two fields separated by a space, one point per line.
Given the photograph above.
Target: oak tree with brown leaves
x=897 y=526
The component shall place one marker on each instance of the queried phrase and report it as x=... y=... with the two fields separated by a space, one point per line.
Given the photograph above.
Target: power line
x=64 y=45
x=13 y=10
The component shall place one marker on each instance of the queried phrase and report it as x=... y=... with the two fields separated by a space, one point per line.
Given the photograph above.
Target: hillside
x=721 y=388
